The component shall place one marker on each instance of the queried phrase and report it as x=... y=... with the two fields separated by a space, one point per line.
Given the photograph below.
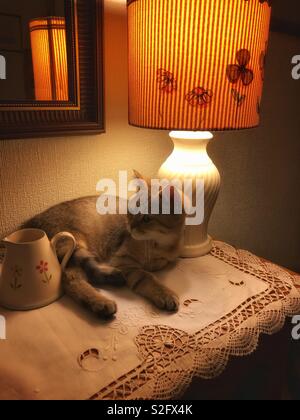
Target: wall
x=258 y=207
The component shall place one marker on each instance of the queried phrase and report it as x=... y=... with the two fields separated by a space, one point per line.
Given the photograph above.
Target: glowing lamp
x=196 y=66
x=49 y=56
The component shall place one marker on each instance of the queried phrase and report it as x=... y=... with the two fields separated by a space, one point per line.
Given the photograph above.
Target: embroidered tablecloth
x=228 y=298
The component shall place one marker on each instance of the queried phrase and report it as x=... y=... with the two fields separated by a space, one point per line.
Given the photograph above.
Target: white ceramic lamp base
x=190 y=160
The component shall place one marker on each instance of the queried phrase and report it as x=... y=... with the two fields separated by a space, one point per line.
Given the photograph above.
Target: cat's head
x=161 y=228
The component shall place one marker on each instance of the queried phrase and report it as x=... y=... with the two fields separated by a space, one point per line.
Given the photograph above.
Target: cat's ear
x=137 y=175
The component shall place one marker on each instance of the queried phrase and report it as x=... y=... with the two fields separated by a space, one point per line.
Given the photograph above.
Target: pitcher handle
x=56 y=239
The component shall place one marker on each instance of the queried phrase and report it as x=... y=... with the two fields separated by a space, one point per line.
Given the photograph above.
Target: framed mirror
x=51 y=74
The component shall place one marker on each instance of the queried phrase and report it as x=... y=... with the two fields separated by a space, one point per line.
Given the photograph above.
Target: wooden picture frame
x=83 y=113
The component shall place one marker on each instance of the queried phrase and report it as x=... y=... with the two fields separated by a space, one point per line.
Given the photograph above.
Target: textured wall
x=259 y=205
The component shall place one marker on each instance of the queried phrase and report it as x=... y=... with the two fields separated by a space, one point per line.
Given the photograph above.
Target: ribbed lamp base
x=190 y=160
x=198 y=249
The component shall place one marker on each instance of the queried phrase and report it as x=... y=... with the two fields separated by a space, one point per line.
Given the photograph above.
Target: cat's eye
x=146 y=219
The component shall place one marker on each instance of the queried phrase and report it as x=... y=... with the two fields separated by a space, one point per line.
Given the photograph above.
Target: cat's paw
x=104 y=308
x=167 y=300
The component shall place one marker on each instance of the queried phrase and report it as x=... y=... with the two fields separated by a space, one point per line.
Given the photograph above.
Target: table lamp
x=49 y=57
x=196 y=66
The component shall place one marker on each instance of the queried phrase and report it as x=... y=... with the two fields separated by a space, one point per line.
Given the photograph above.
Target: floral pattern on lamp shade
x=238 y=97
x=262 y=61
x=180 y=79
x=240 y=71
x=269 y=2
x=166 y=81
x=199 y=96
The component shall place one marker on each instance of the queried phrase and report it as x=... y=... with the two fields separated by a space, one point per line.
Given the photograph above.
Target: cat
x=115 y=250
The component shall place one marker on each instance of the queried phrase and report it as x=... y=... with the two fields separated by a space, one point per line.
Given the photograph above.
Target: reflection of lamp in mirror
x=49 y=56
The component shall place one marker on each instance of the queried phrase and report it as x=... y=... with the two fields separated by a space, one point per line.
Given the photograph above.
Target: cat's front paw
x=104 y=308
x=167 y=300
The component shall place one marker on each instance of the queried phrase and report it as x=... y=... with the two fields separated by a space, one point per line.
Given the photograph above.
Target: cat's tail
x=77 y=287
x=97 y=273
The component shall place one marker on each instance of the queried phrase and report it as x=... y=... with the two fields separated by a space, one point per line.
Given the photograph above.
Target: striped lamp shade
x=197 y=64
x=49 y=57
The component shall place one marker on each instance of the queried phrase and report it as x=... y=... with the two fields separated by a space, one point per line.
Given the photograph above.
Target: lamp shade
x=197 y=65
x=49 y=56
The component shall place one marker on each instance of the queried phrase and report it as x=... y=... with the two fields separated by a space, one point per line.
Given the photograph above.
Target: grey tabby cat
x=114 y=250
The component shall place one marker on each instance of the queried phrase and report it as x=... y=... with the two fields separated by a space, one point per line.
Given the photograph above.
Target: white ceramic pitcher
x=31 y=273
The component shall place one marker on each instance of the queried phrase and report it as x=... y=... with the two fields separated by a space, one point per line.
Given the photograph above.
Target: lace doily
x=228 y=298
x=172 y=357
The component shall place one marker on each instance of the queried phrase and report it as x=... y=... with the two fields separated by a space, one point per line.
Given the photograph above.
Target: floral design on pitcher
x=17 y=275
x=43 y=269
